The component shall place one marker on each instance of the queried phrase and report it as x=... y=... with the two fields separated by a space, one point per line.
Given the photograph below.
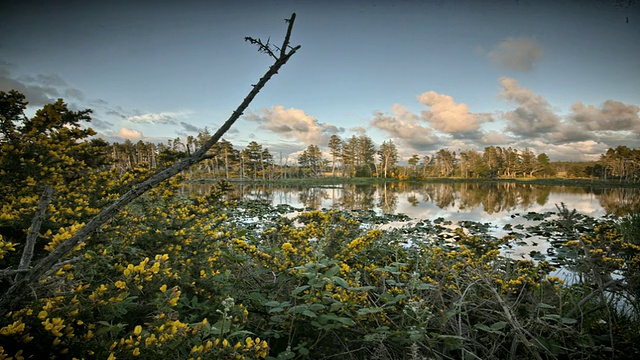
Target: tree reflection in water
x=478 y=197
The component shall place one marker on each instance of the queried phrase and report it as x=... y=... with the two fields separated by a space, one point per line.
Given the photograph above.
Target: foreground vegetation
x=187 y=278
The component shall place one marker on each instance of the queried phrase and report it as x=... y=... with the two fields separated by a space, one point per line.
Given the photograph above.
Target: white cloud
x=130 y=134
x=294 y=123
x=447 y=116
x=405 y=126
x=162 y=118
x=517 y=53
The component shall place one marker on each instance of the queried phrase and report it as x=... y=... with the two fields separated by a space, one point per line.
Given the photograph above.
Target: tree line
x=358 y=156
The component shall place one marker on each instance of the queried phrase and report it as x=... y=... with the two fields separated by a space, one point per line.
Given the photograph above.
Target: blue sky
x=560 y=77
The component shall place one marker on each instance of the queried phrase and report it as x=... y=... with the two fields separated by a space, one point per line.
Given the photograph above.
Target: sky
x=559 y=77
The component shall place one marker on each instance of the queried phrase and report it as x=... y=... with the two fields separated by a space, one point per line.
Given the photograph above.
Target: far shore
x=576 y=182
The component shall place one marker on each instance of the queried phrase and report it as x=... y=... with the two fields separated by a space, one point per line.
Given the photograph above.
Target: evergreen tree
x=365 y=159
x=388 y=156
x=335 y=148
x=311 y=158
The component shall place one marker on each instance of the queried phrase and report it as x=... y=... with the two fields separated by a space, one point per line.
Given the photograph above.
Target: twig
x=520 y=332
x=262 y=47
x=11 y=272
x=15 y=294
x=587 y=298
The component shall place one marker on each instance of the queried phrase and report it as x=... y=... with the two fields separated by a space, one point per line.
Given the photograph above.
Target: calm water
x=454 y=201
x=493 y=203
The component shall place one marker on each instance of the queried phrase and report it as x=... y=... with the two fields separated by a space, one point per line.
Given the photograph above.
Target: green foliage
x=50 y=149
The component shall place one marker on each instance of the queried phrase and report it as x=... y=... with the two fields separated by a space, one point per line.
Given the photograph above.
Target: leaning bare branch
x=34 y=229
x=15 y=294
x=287 y=37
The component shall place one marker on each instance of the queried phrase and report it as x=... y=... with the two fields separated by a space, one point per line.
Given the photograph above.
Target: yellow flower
x=150 y=340
x=15 y=328
x=288 y=248
x=137 y=330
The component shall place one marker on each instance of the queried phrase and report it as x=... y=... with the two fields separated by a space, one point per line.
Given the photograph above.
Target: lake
x=475 y=201
x=495 y=203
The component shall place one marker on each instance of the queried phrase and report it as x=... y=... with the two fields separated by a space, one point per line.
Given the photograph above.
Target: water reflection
x=476 y=201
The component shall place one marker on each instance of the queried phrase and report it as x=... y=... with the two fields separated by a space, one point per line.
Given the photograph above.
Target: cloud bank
x=583 y=134
x=534 y=115
x=39 y=89
x=444 y=121
x=534 y=119
x=611 y=116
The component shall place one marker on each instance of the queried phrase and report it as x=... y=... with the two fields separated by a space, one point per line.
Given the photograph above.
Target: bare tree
x=18 y=294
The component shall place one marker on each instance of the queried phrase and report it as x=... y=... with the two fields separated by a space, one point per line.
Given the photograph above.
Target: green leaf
x=340 y=281
x=299 y=289
x=362 y=288
x=554 y=317
x=310 y=314
x=391 y=301
x=365 y=311
x=493 y=329
x=545 y=306
x=483 y=327
x=286 y=355
x=332 y=272
x=424 y=286
x=569 y=321
x=499 y=325
x=346 y=321
x=298 y=308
